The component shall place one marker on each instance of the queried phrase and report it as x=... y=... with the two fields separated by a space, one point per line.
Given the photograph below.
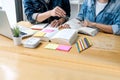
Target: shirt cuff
x=34 y=16
x=79 y=18
x=115 y=29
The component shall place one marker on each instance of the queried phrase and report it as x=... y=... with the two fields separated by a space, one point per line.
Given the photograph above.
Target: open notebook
x=64 y=36
x=77 y=25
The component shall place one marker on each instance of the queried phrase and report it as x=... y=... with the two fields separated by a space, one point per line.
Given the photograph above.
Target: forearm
x=102 y=27
x=43 y=16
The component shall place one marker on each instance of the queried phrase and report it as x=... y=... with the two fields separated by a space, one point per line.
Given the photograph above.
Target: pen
x=46 y=25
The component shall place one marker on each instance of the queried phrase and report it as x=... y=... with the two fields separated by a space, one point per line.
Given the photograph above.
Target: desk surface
x=99 y=62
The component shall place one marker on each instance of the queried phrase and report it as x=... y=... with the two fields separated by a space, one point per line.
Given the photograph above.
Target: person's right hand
x=57 y=11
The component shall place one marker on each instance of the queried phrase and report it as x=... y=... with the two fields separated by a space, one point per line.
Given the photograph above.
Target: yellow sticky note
x=32 y=31
x=39 y=34
x=51 y=46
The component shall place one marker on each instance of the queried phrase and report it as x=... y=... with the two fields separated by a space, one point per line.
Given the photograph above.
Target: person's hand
x=55 y=23
x=57 y=11
x=64 y=26
x=87 y=23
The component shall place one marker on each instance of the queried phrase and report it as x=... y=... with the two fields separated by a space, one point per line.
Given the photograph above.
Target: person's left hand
x=87 y=23
x=55 y=23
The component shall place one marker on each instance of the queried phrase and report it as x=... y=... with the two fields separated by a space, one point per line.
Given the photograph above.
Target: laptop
x=5 y=28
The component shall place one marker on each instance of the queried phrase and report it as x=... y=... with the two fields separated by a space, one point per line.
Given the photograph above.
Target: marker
x=86 y=42
x=89 y=41
x=82 y=44
x=79 y=44
x=77 y=47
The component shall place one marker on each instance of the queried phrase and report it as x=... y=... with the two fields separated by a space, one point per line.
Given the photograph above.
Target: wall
x=75 y=7
x=9 y=7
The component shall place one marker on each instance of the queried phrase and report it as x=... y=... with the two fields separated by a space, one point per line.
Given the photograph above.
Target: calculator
x=31 y=42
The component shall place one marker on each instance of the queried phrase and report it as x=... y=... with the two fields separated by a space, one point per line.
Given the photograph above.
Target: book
x=77 y=25
x=64 y=36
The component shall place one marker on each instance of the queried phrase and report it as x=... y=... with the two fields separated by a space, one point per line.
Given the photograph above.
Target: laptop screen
x=5 y=28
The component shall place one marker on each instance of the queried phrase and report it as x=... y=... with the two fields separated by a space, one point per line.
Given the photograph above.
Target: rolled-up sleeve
x=116 y=29
x=116 y=23
x=29 y=10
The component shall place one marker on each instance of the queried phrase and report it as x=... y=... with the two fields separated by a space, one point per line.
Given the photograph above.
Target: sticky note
x=32 y=31
x=51 y=46
x=48 y=30
x=64 y=48
x=39 y=34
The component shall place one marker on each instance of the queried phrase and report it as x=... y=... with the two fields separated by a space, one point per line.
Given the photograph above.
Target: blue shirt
x=40 y=6
x=110 y=15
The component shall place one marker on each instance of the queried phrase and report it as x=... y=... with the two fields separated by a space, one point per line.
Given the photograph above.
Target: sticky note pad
x=51 y=46
x=39 y=34
x=32 y=31
x=64 y=48
x=48 y=30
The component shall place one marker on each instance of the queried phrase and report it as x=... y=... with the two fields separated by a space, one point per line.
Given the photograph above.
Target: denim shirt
x=110 y=15
x=40 y=6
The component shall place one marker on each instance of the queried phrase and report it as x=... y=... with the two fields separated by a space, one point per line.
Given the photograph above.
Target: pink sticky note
x=64 y=48
x=48 y=30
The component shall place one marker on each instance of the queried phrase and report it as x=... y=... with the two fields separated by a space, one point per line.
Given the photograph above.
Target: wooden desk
x=100 y=62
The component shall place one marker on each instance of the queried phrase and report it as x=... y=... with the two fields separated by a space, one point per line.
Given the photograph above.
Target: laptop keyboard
x=25 y=31
x=22 y=33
